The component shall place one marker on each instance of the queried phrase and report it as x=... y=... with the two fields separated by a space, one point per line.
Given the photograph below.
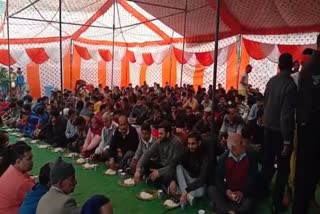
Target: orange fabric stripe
x=232 y=68
x=125 y=69
x=143 y=73
x=173 y=73
x=33 y=78
x=166 y=69
x=244 y=61
x=76 y=68
x=67 y=71
x=102 y=72
x=198 y=76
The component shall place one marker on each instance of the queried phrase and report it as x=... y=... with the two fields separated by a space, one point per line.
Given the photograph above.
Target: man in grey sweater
x=280 y=101
x=169 y=151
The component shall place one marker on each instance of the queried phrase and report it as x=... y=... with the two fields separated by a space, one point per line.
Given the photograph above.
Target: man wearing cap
x=57 y=199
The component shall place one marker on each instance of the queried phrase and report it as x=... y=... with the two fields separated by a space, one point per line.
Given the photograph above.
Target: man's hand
x=112 y=164
x=238 y=196
x=154 y=174
x=133 y=163
x=230 y=195
x=285 y=150
x=137 y=176
x=94 y=156
x=183 y=198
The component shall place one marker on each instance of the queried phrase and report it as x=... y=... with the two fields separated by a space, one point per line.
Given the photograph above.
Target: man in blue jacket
x=30 y=203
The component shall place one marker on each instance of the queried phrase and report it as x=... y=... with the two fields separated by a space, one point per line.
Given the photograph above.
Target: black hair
x=20 y=103
x=79 y=121
x=89 y=104
x=54 y=113
x=18 y=150
x=103 y=106
x=44 y=175
x=318 y=41
x=260 y=113
x=195 y=135
x=145 y=127
x=13 y=105
x=40 y=110
x=245 y=133
x=307 y=51
x=27 y=107
x=4 y=138
x=166 y=125
x=71 y=112
x=285 y=62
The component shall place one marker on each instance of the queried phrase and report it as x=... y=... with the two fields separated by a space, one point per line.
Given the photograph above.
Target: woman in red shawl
x=93 y=137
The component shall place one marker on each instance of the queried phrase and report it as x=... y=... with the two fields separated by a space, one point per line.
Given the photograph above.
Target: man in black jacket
x=192 y=171
x=123 y=146
x=236 y=177
x=308 y=117
x=280 y=101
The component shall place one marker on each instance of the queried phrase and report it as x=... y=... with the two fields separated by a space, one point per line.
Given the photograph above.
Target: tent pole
x=184 y=40
x=239 y=59
x=60 y=37
x=71 y=61
x=8 y=40
x=215 y=66
x=113 y=35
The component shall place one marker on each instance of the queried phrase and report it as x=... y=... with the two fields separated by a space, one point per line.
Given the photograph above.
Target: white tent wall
x=135 y=69
x=89 y=71
x=49 y=75
x=154 y=74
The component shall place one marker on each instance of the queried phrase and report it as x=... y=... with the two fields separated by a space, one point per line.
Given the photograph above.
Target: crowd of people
x=166 y=136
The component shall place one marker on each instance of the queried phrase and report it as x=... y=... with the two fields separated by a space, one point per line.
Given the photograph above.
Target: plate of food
x=72 y=155
x=34 y=141
x=110 y=172
x=22 y=139
x=171 y=204
x=147 y=195
x=89 y=166
x=81 y=161
x=43 y=146
x=127 y=182
x=58 y=149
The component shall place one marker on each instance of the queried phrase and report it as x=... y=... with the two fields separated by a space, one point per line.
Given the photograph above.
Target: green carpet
x=124 y=201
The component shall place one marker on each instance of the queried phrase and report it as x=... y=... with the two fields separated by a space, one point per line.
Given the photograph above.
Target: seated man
x=71 y=130
x=11 y=116
x=28 y=122
x=124 y=143
x=146 y=141
x=192 y=171
x=30 y=203
x=78 y=141
x=63 y=183
x=87 y=111
x=54 y=132
x=169 y=151
x=15 y=183
x=203 y=126
x=138 y=112
x=236 y=177
x=106 y=137
x=4 y=152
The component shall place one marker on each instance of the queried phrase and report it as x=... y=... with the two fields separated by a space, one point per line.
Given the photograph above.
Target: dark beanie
x=60 y=171
x=93 y=205
x=285 y=61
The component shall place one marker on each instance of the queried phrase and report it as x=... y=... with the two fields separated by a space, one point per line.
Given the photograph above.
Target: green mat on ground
x=124 y=201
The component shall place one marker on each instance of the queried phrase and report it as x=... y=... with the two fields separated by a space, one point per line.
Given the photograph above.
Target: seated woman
x=97 y=204
x=93 y=137
x=78 y=140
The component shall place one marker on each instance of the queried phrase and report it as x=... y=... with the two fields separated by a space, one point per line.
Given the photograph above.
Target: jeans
x=184 y=178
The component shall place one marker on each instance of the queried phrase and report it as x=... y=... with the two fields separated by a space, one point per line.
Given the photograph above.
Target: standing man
x=280 y=101
x=244 y=82
x=308 y=117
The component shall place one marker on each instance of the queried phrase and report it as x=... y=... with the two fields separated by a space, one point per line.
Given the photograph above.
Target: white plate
x=43 y=146
x=34 y=141
x=110 y=172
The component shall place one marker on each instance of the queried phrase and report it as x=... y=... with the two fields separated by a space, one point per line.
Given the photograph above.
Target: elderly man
x=15 y=183
x=169 y=150
x=236 y=177
x=106 y=137
x=124 y=143
x=57 y=199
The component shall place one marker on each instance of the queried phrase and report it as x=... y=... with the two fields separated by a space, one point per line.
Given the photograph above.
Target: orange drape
x=102 y=71
x=33 y=78
x=67 y=71
x=143 y=73
x=4 y=58
x=198 y=76
x=76 y=68
x=83 y=52
x=244 y=61
x=37 y=55
x=169 y=69
x=232 y=68
x=125 y=72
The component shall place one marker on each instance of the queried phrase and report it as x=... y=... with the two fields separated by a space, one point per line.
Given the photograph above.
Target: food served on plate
x=170 y=204
x=110 y=172
x=43 y=146
x=129 y=181
x=34 y=141
x=145 y=195
x=81 y=161
x=89 y=166
x=22 y=139
x=58 y=149
x=72 y=155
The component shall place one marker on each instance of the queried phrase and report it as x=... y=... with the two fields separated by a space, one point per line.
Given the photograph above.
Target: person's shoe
x=190 y=199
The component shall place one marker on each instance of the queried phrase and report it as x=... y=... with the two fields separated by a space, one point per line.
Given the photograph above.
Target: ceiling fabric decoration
x=4 y=58
x=37 y=55
x=20 y=56
x=105 y=55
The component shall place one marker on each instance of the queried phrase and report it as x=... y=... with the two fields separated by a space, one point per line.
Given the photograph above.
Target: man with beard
x=169 y=150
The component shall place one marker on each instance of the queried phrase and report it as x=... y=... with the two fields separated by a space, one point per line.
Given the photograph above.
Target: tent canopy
x=155 y=21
